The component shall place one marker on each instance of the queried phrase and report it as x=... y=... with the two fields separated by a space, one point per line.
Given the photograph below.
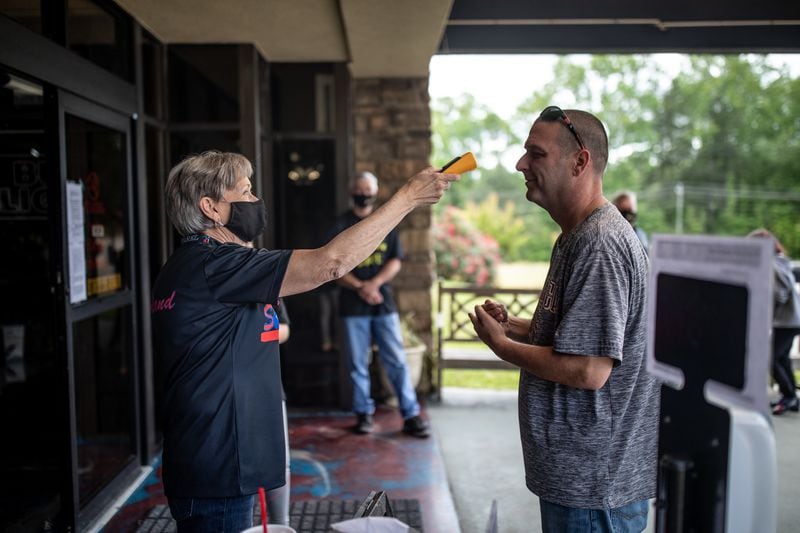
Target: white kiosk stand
x=710 y=316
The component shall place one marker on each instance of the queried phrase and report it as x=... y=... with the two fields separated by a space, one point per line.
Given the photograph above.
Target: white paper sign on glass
x=76 y=243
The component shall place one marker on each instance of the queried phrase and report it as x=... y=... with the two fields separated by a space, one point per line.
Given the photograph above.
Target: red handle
x=262 y=498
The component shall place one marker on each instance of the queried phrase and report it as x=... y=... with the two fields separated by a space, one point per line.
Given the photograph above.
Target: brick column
x=393 y=141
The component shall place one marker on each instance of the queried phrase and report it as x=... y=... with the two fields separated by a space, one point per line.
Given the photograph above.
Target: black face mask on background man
x=362 y=200
x=630 y=216
x=248 y=219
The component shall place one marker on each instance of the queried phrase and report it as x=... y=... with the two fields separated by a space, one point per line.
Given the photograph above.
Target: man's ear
x=209 y=209
x=582 y=161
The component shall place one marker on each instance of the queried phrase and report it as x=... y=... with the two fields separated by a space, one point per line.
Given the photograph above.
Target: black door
x=98 y=259
x=35 y=473
x=305 y=199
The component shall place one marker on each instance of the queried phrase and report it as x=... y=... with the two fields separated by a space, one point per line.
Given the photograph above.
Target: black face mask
x=630 y=216
x=362 y=200
x=248 y=219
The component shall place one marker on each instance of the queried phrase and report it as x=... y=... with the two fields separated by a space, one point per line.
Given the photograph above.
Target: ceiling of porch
x=396 y=38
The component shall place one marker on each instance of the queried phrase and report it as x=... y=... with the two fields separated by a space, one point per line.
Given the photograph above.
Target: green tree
x=729 y=133
x=460 y=125
x=725 y=128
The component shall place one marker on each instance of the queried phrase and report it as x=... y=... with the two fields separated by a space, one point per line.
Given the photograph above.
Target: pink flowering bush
x=462 y=252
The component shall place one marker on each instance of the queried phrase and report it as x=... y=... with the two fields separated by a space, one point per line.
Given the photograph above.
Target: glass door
x=34 y=470
x=98 y=254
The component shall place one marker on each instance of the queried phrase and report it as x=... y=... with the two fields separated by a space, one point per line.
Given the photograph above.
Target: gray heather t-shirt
x=583 y=448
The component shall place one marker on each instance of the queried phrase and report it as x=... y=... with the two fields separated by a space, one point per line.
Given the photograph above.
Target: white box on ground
x=372 y=524
x=272 y=528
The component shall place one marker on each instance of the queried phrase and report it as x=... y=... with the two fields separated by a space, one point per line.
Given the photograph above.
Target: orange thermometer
x=461 y=164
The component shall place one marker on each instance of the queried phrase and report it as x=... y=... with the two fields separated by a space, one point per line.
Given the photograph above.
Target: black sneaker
x=364 y=424
x=416 y=427
x=786 y=404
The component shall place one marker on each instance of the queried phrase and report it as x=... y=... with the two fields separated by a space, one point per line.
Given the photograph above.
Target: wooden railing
x=457 y=344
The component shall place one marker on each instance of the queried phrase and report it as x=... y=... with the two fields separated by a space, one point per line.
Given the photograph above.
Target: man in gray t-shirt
x=588 y=409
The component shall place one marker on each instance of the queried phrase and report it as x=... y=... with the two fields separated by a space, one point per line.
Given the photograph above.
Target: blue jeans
x=212 y=515
x=360 y=332
x=631 y=518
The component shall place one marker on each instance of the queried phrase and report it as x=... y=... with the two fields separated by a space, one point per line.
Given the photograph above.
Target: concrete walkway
x=478 y=432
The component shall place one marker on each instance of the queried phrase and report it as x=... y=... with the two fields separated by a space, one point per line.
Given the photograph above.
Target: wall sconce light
x=300 y=175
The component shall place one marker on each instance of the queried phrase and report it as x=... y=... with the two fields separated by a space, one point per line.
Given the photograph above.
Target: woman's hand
x=428 y=186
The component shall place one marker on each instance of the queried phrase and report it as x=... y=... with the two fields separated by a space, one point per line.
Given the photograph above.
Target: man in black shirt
x=626 y=203
x=369 y=316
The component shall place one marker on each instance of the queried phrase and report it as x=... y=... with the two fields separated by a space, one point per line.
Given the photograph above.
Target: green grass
x=466 y=345
x=481 y=379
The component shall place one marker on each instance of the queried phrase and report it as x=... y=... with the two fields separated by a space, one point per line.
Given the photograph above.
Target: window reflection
x=26 y=12
x=203 y=83
x=152 y=76
x=31 y=386
x=184 y=143
x=96 y=157
x=102 y=35
x=103 y=398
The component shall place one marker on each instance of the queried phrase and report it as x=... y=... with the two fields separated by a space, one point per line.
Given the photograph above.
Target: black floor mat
x=305 y=517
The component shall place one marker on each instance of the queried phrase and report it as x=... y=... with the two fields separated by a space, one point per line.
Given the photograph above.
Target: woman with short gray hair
x=208 y=174
x=215 y=333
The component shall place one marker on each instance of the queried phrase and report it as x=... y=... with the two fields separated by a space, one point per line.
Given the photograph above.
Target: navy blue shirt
x=350 y=303
x=215 y=332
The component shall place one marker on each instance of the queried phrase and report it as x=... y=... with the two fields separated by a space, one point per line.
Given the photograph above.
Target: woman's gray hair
x=208 y=174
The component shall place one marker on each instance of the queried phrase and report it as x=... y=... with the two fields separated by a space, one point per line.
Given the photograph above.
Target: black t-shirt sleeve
x=329 y=234
x=394 y=248
x=237 y=275
x=283 y=313
x=341 y=223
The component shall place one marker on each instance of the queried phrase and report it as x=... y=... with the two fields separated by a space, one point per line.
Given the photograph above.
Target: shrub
x=462 y=252
x=501 y=223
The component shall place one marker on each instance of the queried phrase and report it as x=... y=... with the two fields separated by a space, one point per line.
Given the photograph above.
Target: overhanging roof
x=378 y=38
x=607 y=26
x=396 y=38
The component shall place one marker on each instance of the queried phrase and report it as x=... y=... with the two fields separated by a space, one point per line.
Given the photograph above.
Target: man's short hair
x=623 y=195
x=368 y=176
x=592 y=133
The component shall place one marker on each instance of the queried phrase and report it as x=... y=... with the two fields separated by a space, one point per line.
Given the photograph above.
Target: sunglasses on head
x=552 y=113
